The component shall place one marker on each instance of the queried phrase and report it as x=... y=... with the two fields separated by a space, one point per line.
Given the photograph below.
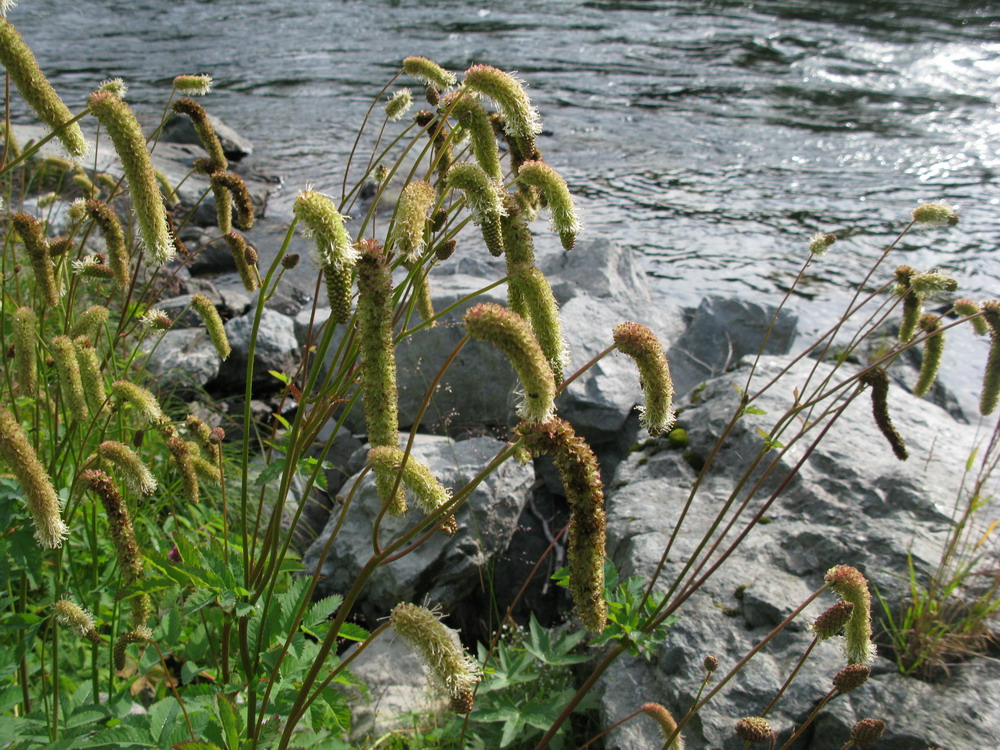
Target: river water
x=715 y=137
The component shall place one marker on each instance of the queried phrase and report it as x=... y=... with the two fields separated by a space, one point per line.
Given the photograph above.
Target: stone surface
x=276 y=349
x=851 y=503
x=183 y=361
x=721 y=331
x=445 y=570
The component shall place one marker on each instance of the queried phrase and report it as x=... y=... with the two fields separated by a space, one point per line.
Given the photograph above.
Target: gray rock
x=851 y=503
x=600 y=269
x=303 y=320
x=443 y=569
x=178 y=129
x=183 y=361
x=722 y=330
x=276 y=349
x=179 y=308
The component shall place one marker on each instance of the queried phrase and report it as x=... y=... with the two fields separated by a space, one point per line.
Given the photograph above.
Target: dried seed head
x=820 y=243
x=754 y=729
x=417 y=478
x=641 y=344
x=130 y=144
x=448 y=665
x=851 y=586
x=240 y=194
x=238 y=250
x=433 y=95
x=511 y=334
x=851 y=677
x=556 y=196
x=399 y=104
x=205 y=131
x=428 y=72
x=831 y=622
x=867 y=731
x=198 y=85
x=76 y=619
x=35 y=89
x=213 y=323
x=935 y=214
x=290 y=261
x=39 y=494
x=581 y=477
x=217 y=435
x=140 y=634
x=668 y=725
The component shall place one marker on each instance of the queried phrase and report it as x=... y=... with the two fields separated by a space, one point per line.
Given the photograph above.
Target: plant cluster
x=141 y=562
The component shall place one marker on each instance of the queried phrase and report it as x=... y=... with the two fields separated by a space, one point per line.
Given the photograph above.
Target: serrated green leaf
x=162 y=716
x=230 y=721
x=351 y=632
x=321 y=610
x=271 y=472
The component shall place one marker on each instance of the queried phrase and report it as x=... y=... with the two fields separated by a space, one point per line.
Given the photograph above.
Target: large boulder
x=183 y=361
x=444 y=569
x=179 y=129
x=276 y=349
x=852 y=503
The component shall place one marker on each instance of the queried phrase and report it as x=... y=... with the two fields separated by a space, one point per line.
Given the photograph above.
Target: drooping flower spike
x=213 y=323
x=428 y=72
x=240 y=195
x=412 y=210
x=26 y=365
x=335 y=253
x=852 y=587
x=130 y=145
x=553 y=187
x=474 y=120
x=114 y=239
x=933 y=353
x=641 y=344
x=521 y=120
x=668 y=725
x=967 y=308
x=35 y=89
x=238 y=249
x=137 y=476
x=991 y=380
x=485 y=200
x=39 y=254
x=70 y=381
x=417 y=478
x=877 y=379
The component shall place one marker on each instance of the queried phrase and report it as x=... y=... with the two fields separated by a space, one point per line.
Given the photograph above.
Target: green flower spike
x=138 y=635
x=90 y=375
x=532 y=289
x=877 y=379
x=485 y=200
x=967 y=308
x=115 y=85
x=520 y=118
x=754 y=729
x=184 y=456
x=77 y=620
x=130 y=144
x=428 y=72
x=820 y=243
x=414 y=206
x=852 y=587
x=668 y=725
x=933 y=352
x=141 y=400
x=70 y=382
x=446 y=249
x=448 y=665
x=641 y=344
x=991 y=380
x=137 y=477
x=31 y=233
x=213 y=322
x=39 y=494
x=912 y=303
x=203 y=433
x=474 y=120
x=935 y=214
x=35 y=89
x=511 y=334
x=378 y=363
x=399 y=104
x=236 y=188
x=417 y=478
x=198 y=85
x=114 y=239
x=932 y=282
x=90 y=322
x=238 y=249
x=581 y=478
x=204 y=130
x=421 y=291
x=553 y=187
x=335 y=253
x=25 y=362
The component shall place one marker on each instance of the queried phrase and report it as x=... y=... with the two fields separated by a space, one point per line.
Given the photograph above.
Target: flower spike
x=991 y=380
x=933 y=352
x=641 y=344
x=852 y=587
x=540 y=175
x=418 y=479
x=428 y=72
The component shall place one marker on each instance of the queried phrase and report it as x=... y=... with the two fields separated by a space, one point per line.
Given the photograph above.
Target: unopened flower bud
x=831 y=622
x=290 y=261
x=851 y=677
x=445 y=249
x=867 y=731
x=193 y=85
x=711 y=663
x=754 y=729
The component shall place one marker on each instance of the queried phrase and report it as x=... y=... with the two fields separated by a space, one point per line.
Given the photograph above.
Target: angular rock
x=443 y=569
x=276 y=349
x=851 y=503
x=183 y=361
x=179 y=129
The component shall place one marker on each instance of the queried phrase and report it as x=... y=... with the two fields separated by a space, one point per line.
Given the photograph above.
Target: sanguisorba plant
x=141 y=564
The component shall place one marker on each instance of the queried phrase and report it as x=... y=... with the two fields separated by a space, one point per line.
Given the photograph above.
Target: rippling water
x=715 y=137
